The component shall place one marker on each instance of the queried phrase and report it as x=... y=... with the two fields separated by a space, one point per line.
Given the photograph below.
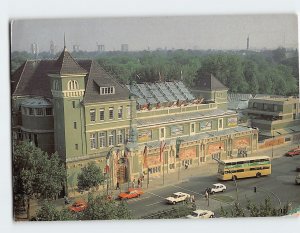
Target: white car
x=177 y=197
x=216 y=188
x=201 y=214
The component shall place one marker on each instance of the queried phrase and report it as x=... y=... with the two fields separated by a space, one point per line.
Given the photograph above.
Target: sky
x=172 y=32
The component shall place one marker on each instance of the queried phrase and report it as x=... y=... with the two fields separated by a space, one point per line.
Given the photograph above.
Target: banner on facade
x=144 y=135
x=232 y=121
x=241 y=143
x=205 y=125
x=188 y=153
x=215 y=147
x=176 y=130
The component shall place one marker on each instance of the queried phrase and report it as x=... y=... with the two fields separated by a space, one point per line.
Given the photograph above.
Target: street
x=279 y=186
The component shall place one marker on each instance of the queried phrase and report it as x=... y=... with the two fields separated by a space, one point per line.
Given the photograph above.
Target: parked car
x=201 y=214
x=298 y=168
x=131 y=193
x=78 y=206
x=216 y=188
x=297 y=179
x=177 y=197
x=293 y=152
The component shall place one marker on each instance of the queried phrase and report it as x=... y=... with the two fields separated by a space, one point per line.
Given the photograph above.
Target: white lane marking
x=188 y=190
x=156 y=195
x=155 y=203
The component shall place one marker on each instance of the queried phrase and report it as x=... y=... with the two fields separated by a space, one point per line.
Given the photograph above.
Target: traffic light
x=255 y=189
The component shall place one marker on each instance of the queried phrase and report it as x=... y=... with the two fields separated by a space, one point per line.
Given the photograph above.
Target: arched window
x=73 y=85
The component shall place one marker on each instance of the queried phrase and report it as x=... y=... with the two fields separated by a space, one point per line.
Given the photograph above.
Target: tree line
x=269 y=72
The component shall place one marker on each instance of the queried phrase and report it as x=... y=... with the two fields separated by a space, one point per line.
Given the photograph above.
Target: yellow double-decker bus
x=244 y=167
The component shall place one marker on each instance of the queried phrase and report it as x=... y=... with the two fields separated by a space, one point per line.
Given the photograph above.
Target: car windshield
x=175 y=196
x=194 y=214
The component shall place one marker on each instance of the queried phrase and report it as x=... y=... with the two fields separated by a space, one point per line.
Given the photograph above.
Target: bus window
x=240 y=170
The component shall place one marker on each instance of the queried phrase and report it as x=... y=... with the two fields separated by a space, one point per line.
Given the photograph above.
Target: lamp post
x=268 y=191
x=272 y=142
x=178 y=143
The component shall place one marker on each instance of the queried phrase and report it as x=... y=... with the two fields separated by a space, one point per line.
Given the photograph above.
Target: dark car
x=298 y=168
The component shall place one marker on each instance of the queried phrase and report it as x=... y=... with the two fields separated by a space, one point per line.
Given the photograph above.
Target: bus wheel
x=258 y=175
x=234 y=178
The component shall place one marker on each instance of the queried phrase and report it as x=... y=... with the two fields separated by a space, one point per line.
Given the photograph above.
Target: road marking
x=137 y=199
x=155 y=195
x=155 y=203
x=188 y=190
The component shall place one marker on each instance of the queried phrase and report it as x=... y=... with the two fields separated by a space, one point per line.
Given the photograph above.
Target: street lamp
x=272 y=142
x=178 y=143
x=268 y=191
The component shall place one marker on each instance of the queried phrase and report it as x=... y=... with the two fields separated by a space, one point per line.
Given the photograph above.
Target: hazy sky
x=188 y=32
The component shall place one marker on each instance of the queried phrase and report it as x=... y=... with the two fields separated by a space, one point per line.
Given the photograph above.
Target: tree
x=103 y=208
x=36 y=174
x=48 y=212
x=264 y=209
x=90 y=176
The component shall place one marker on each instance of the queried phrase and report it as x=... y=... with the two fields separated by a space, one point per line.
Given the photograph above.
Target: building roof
x=209 y=82
x=160 y=92
x=31 y=78
x=36 y=102
x=65 y=64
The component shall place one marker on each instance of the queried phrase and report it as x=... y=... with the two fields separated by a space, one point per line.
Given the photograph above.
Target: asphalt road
x=279 y=186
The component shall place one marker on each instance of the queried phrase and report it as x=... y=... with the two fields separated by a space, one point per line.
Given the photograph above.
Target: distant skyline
x=171 y=32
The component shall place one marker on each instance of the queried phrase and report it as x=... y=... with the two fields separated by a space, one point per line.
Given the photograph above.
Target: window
x=101 y=114
x=254 y=105
x=31 y=111
x=220 y=124
x=48 y=111
x=275 y=108
x=73 y=85
x=265 y=106
x=107 y=90
x=92 y=115
x=128 y=109
x=93 y=141
x=111 y=139
x=120 y=112
x=154 y=170
x=73 y=104
x=120 y=136
x=111 y=113
x=55 y=85
x=75 y=125
x=39 y=112
x=162 y=133
x=76 y=146
x=192 y=128
x=102 y=139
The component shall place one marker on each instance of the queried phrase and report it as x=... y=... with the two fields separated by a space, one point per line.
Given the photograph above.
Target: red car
x=293 y=152
x=131 y=193
x=78 y=206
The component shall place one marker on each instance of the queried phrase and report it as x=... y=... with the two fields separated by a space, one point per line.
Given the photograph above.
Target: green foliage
x=35 y=173
x=102 y=208
x=90 y=176
x=264 y=209
x=178 y=211
x=268 y=72
x=48 y=212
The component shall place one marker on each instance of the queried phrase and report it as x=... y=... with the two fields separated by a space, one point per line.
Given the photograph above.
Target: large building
x=275 y=116
x=77 y=109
